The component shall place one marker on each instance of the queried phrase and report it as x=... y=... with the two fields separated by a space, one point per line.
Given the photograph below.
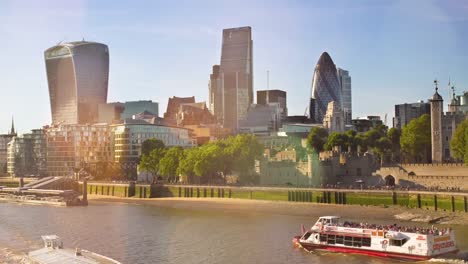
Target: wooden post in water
x=344 y=197
x=222 y=193
x=419 y=200
x=204 y=192
x=126 y=191
x=466 y=204
x=289 y=196
x=85 y=192
x=212 y=192
x=230 y=194
x=435 y=202
x=453 y=203
x=113 y=190
x=191 y=192
x=198 y=192
x=394 y=198
x=329 y=197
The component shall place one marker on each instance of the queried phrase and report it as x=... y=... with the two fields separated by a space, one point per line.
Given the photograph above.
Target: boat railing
x=395 y=228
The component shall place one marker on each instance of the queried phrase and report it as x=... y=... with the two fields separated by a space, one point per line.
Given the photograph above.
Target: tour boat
x=388 y=241
x=53 y=252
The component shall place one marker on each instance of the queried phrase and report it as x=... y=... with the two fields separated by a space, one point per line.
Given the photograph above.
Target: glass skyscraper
x=235 y=78
x=77 y=74
x=346 y=104
x=325 y=86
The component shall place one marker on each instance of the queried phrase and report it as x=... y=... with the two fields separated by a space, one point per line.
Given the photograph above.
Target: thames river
x=134 y=233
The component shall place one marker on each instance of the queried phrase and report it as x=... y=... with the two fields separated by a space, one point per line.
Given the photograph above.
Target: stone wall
x=442 y=176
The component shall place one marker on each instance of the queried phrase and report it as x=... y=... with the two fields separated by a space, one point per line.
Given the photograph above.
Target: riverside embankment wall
x=445 y=201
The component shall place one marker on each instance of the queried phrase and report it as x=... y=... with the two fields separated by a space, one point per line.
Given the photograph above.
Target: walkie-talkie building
x=77 y=74
x=325 y=86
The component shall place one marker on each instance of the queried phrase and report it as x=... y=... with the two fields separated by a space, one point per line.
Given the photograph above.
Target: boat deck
x=60 y=256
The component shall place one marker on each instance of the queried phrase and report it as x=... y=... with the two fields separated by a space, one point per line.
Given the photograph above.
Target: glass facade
x=325 y=86
x=129 y=137
x=346 y=99
x=71 y=147
x=77 y=75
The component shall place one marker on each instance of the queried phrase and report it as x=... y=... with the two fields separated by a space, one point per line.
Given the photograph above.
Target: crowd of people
x=433 y=230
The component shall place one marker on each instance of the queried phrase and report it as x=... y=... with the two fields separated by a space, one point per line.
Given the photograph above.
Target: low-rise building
x=129 y=137
x=71 y=147
x=27 y=155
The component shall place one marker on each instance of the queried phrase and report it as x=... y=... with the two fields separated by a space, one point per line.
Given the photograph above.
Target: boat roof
x=330 y=217
x=50 y=237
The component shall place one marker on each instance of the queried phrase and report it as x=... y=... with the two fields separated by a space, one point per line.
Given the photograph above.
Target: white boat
x=54 y=253
x=389 y=241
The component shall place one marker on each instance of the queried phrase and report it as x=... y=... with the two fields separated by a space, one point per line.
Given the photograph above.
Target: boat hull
x=368 y=252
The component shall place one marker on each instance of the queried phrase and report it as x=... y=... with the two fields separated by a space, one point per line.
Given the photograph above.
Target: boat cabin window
x=306 y=235
x=398 y=242
x=348 y=240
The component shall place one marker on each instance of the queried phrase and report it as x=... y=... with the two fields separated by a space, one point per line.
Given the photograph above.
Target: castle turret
x=436 y=125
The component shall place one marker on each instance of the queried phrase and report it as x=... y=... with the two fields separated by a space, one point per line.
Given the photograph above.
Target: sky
x=158 y=49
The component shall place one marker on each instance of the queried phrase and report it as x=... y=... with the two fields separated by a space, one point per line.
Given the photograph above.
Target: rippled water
x=151 y=234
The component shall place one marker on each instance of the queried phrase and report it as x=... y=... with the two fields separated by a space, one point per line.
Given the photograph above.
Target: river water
x=150 y=234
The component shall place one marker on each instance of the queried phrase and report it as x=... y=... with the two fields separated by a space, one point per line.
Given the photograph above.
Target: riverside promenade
x=429 y=200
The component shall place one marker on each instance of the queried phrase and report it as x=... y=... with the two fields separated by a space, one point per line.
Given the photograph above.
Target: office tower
x=404 y=113
x=274 y=96
x=77 y=74
x=325 y=86
x=346 y=104
x=216 y=94
x=234 y=77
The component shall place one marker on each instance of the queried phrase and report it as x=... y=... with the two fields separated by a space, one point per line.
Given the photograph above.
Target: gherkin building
x=325 y=87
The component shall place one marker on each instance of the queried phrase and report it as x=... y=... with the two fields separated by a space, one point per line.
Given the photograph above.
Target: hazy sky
x=158 y=49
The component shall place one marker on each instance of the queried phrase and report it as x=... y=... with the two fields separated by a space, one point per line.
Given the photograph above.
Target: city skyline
x=397 y=49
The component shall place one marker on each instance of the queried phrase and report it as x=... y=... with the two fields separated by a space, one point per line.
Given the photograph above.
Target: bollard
x=435 y=202
x=394 y=198
x=230 y=194
x=419 y=200
x=453 y=203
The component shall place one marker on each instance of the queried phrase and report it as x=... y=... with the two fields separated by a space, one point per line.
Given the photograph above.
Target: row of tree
x=411 y=144
x=209 y=163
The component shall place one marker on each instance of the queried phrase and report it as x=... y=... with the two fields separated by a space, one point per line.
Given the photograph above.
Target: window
x=366 y=241
x=339 y=240
x=398 y=242
x=323 y=238
x=348 y=241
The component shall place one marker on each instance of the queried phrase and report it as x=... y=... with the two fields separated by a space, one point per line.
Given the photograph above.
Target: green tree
x=317 y=139
x=148 y=145
x=459 y=142
x=150 y=162
x=415 y=139
x=169 y=164
x=337 y=139
x=394 y=135
x=352 y=141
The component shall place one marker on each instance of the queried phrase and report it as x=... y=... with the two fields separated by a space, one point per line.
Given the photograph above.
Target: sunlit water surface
x=149 y=234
